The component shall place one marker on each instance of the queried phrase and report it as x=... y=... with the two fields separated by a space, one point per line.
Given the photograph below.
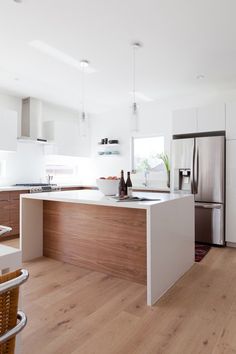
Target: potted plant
x=165 y=158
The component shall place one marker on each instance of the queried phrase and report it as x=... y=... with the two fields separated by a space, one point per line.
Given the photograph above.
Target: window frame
x=142 y=136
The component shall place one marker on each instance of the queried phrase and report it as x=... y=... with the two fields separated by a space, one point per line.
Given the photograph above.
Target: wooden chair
x=12 y=321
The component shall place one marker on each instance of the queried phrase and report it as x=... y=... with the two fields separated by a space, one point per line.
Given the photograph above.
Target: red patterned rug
x=201 y=251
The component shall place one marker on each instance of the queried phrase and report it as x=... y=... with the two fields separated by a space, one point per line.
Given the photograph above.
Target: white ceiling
x=181 y=39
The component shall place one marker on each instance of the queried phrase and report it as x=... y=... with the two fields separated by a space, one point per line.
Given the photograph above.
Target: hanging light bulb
x=134 y=113
x=83 y=118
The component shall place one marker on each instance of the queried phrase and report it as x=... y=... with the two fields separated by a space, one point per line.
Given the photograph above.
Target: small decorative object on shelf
x=107 y=141
x=166 y=161
x=108 y=147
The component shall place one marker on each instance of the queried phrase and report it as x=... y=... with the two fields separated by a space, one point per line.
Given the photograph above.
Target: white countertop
x=139 y=187
x=97 y=198
x=13 y=188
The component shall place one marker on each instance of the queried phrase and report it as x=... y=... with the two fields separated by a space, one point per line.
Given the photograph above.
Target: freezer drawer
x=209 y=223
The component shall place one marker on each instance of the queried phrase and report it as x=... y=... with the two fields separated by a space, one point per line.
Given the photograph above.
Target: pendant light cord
x=83 y=90
x=134 y=73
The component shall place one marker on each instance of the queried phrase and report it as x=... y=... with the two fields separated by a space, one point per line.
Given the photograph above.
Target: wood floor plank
x=81 y=311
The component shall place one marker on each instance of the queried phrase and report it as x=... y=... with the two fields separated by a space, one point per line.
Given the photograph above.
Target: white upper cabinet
x=8 y=130
x=184 y=121
x=208 y=118
x=65 y=138
x=231 y=120
x=230 y=191
x=211 y=117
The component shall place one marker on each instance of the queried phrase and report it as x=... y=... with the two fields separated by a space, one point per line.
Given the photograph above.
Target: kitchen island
x=150 y=242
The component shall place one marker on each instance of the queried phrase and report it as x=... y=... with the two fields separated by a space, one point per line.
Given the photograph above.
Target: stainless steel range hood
x=31 y=121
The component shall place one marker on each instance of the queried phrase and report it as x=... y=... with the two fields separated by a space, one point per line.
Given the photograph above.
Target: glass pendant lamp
x=83 y=116
x=134 y=113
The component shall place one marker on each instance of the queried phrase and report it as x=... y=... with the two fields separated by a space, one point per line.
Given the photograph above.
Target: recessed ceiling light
x=58 y=55
x=200 y=77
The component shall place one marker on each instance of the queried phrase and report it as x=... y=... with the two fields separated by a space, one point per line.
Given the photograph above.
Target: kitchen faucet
x=49 y=179
x=146 y=173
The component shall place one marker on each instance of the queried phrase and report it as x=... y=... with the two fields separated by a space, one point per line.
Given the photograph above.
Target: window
x=146 y=153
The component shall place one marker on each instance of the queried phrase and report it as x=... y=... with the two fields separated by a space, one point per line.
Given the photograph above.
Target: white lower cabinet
x=231 y=191
x=8 y=130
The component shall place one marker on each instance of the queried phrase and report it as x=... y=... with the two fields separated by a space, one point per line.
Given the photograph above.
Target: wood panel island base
x=101 y=238
x=149 y=242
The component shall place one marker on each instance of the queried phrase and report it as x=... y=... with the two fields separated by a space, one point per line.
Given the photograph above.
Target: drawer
x=16 y=194
x=4 y=196
x=14 y=216
x=4 y=213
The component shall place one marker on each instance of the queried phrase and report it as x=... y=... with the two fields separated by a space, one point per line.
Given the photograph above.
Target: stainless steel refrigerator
x=198 y=167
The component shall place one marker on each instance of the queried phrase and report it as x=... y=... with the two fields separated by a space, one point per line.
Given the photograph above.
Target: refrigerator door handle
x=192 y=170
x=196 y=170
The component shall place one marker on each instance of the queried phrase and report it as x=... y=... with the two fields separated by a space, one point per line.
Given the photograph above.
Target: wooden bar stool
x=12 y=321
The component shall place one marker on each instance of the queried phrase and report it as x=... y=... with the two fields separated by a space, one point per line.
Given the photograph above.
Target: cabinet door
x=184 y=121
x=231 y=120
x=14 y=205
x=4 y=213
x=8 y=130
x=14 y=212
x=231 y=191
x=4 y=209
x=211 y=118
x=14 y=217
x=66 y=139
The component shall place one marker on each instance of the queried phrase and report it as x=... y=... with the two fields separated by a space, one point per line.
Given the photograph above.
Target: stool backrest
x=9 y=295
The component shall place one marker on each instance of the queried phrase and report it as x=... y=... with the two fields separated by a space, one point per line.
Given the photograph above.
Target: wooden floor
x=73 y=310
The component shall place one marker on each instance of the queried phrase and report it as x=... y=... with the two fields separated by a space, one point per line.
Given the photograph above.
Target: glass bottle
x=129 y=185
x=122 y=185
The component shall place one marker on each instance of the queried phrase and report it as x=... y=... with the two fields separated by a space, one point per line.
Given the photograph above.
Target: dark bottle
x=128 y=185
x=122 y=185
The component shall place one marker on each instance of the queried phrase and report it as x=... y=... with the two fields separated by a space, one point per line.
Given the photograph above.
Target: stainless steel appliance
x=198 y=165
x=39 y=187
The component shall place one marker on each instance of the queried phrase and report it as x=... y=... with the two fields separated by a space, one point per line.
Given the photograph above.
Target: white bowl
x=108 y=186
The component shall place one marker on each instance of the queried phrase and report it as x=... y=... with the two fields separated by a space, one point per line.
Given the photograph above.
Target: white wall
x=12 y=103
x=57 y=113
x=28 y=162
x=154 y=118
x=23 y=166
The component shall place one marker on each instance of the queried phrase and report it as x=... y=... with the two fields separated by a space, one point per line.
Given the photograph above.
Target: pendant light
x=134 y=113
x=83 y=118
